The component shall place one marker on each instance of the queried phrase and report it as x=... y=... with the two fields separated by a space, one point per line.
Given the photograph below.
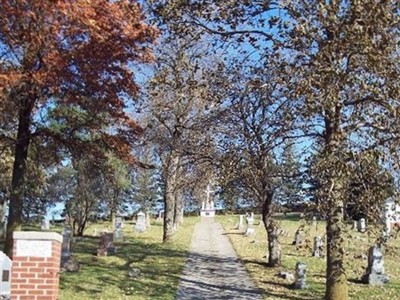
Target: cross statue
x=209 y=191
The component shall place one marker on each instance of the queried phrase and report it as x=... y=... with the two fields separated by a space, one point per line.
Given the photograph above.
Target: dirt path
x=213 y=270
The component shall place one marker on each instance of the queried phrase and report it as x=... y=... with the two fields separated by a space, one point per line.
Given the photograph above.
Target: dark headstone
x=106 y=244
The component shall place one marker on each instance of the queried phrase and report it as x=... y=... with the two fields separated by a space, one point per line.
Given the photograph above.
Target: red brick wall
x=36 y=278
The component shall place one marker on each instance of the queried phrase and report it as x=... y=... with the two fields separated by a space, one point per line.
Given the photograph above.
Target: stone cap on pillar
x=37 y=236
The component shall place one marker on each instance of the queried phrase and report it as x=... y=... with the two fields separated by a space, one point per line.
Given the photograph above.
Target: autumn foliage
x=66 y=74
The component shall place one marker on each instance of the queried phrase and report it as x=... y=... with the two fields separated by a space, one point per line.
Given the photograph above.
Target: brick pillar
x=36 y=265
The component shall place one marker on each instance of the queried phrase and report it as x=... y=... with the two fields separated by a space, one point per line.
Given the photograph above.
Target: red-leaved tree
x=72 y=60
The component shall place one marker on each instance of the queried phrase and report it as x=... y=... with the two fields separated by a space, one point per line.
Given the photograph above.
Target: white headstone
x=240 y=226
x=45 y=225
x=140 y=225
x=361 y=225
x=5 y=275
x=118 y=229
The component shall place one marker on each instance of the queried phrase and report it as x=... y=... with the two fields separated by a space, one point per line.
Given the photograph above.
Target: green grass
x=106 y=277
x=253 y=251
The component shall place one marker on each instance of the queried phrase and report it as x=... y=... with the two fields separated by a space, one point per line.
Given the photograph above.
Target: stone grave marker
x=66 y=244
x=45 y=224
x=361 y=227
x=250 y=228
x=106 y=244
x=314 y=221
x=375 y=273
x=298 y=239
x=240 y=225
x=140 y=225
x=118 y=229
x=300 y=276
x=67 y=262
x=318 y=246
x=5 y=276
x=355 y=225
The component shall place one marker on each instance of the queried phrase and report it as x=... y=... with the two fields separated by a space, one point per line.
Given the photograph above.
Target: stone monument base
x=207 y=212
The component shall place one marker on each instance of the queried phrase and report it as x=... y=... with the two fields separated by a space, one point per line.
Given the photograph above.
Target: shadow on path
x=213 y=270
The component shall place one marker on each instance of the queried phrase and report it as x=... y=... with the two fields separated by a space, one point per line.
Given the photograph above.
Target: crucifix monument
x=207 y=207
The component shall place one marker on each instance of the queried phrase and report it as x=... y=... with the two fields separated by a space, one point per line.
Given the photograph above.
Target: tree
x=290 y=190
x=179 y=96
x=77 y=54
x=257 y=124
x=147 y=189
x=343 y=61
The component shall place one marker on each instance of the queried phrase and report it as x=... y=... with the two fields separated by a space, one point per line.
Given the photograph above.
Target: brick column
x=36 y=265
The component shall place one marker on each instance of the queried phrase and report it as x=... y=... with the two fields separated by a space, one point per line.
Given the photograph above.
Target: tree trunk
x=169 y=197
x=274 y=248
x=336 y=278
x=178 y=213
x=18 y=177
x=169 y=212
x=113 y=217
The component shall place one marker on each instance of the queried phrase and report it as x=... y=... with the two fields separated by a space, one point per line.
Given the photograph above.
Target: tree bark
x=18 y=176
x=178 y=213
x=169 y=197
x=169 y=212
x=274 y=248
x=336 y=278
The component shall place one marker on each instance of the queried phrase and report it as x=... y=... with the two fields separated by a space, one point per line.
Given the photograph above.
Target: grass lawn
x=106 y=277
x=253 y=250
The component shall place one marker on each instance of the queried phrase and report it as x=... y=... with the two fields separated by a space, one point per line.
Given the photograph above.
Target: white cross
x=208 y=191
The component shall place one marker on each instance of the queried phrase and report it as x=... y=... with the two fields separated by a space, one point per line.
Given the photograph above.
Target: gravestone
x=240 y=225
x=355 y=225
x=67 y=262
x=298 y=239
x=5 y=275
x=391 y=214
x=66 y=244
x=106 y=244
x=45 y=224
x=118 y=229
x=318 y=246
x=140 y=225
x=375 y=273
x=314 y=221
x=300 y=275
x=361 y=225
x=250 y=228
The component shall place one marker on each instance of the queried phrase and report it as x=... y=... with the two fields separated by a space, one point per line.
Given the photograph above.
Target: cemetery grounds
x=252 y=251
x=160 y=264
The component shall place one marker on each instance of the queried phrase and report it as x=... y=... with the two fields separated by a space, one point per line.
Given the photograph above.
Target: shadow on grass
x=233 y=233
x=288 y=217
x=158 y=274
x=286 y=291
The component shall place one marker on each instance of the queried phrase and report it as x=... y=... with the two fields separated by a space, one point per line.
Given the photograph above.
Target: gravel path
x=213 y=270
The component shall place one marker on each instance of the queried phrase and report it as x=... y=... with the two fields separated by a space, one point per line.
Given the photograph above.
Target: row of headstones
x=374 y=275
x=106 y=242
